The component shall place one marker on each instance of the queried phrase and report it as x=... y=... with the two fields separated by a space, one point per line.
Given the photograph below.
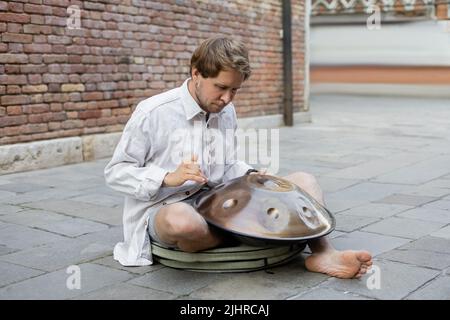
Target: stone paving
x=384 y=164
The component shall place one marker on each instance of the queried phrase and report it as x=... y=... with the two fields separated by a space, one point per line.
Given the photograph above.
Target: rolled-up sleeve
x=127 y=171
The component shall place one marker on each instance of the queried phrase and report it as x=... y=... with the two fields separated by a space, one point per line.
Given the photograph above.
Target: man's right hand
x=188 y=170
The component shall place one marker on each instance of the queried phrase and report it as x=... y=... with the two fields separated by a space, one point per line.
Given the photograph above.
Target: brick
x=13 y=58
x=37 y=29
x=72 y=87
x=52 y=78
x=16 y=37
x=35 y=58
x=37 y=19
x=37 y=48
x=13 y=89
x=89 y=114
x=34 y=78
x=38 y=9
x=33 y=68
x=47 y=117
x=35 y=108
x=14 y=17
x=14 y=99
x=34 y=89
x=87 y=96
x=12 y=120
x=56 y=107
x=35 y=128
x=14 y=110
x=55 y=58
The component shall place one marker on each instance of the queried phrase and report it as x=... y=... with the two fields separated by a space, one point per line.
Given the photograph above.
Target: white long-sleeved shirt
x=161 y=132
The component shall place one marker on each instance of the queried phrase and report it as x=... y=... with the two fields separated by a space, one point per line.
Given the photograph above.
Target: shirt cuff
x=152 y=184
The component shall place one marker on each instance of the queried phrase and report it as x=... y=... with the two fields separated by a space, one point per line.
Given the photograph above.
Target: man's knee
x=181 y=220
x=303 y=179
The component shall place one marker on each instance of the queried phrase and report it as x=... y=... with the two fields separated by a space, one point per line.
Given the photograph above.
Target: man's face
x=213 y=94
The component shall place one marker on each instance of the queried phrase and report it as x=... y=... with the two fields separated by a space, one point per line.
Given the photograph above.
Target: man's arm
x=126 y=172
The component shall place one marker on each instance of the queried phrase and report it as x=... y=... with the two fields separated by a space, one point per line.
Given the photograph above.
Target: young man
x=160 y=187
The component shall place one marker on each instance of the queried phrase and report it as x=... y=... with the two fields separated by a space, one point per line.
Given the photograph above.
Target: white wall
x=422 y=43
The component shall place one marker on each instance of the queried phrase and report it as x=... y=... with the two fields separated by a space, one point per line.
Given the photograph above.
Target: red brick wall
x=59 y=82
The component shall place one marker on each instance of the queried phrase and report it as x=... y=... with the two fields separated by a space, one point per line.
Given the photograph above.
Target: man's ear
x=195 y=73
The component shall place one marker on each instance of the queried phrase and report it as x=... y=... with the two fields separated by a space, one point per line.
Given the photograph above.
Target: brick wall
x=59 y=82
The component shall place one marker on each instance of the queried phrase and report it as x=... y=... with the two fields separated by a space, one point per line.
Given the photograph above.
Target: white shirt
x=162 y=131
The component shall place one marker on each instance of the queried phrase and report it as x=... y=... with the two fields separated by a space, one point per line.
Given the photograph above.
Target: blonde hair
x=218 y=54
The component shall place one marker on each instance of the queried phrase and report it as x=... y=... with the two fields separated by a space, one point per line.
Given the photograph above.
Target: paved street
x=384 y=164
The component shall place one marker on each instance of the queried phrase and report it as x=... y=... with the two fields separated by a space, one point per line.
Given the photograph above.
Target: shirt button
x=187 y=193
x=164 y=203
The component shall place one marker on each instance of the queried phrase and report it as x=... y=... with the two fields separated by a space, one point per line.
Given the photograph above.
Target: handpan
x=263 y=209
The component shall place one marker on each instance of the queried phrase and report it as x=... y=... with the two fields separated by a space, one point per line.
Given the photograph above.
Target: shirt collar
x=191 y=107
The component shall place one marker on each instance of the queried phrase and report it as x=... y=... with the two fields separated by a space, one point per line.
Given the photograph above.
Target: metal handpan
x=262 y=209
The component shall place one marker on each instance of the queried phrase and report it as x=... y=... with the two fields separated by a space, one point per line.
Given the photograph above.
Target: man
x=160 y=189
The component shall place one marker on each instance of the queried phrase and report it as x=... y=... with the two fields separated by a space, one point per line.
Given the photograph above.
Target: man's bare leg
x=326 y=259
x=181 y=225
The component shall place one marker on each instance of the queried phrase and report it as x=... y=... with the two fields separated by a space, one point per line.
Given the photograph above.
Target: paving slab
x=422 y=258
x=10 y=273
x=405 y=199
x=53 y=285
x=427 y=214
x=425 y=190
x=178 y=282
x=54 y=222
x=6 y=194
x=7 y=209
x=396 y=281
x=374 y=243
x=273 y=284
x=330 y=185
x=442 y=233
x=40 y=195
x=378 y=167
x=376 y=210
x=438 y=289
x=107 y=237
x=349 y=223
x=359 y=194
x=328 y=294
x=5 y=250
x=96 y=213
x=421 y=172
x=126 y=291
x=404 y=227
x=429 y=243
x=443 y=204
x=111 y=263
x=21 y=237
x=58 y=254
x=21 y=187
x=100 y=199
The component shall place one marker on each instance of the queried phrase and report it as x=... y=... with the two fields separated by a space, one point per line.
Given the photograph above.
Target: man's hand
x=188 y=170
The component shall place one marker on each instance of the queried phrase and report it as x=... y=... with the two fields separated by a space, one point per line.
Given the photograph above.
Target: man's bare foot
x=340 y=264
